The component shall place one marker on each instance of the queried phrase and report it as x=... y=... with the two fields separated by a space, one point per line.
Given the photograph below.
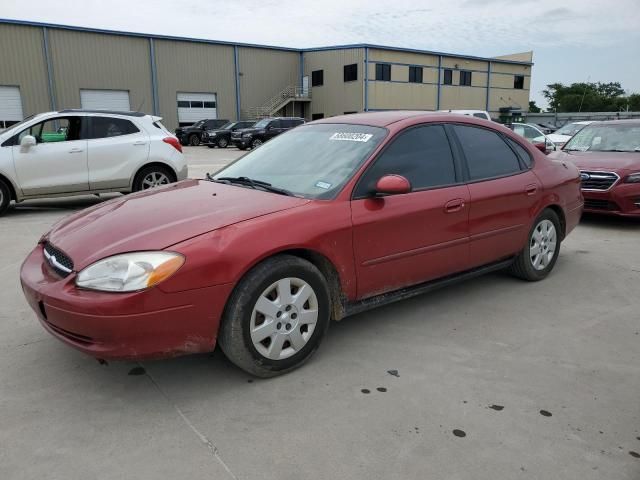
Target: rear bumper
x=139 y=325
x=622 y=200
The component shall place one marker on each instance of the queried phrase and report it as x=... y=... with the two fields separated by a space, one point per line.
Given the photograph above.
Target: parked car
x=545 y=128
x=532 y=134
x=329 y=219
x=263 y=130
x=79 y=152
x=472 y=113
x=222 y=137
x=563 y=134
x=192 y=135
x=608 y=156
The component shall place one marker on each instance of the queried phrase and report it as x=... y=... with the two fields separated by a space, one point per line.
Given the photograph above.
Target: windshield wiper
x=250 y=182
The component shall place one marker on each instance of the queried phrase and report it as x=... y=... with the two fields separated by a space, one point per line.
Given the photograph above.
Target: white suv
x=75 y=152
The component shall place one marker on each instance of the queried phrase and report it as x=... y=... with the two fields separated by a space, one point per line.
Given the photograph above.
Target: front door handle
x=141 y=142
x=454 y=205
x=531 y=189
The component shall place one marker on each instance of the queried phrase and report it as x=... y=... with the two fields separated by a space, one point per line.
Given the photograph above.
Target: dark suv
x=264 y=130
x=192 y=135
x=221 y=137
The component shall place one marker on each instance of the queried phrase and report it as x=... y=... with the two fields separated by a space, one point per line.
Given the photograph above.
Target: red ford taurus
x=327 y=220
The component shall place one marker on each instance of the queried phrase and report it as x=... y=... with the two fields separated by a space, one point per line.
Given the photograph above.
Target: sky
x=572 y=40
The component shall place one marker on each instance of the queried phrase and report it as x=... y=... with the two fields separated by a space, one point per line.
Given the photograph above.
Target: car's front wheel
x=276 y=316
x=540 y=254
x=194 y=140
x=5 y=197
x=256 y=143
x=223 y=143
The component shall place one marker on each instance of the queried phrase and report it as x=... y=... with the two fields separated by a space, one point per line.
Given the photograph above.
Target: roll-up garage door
x=10 y=106
x=196 y=106
x=117 y=100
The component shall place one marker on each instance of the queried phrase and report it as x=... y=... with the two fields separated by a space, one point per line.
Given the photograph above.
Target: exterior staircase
x=277 y=102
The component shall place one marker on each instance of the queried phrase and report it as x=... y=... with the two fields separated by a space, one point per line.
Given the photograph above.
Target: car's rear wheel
x=276 y=316
x=5 y=197
x=194 y=140
x=151 y=177
x=223 y=143
x=256 y=143
x=540 y=254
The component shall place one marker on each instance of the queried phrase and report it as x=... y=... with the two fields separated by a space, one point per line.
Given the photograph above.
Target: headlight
x=130 y=271
x=246 y=135
x=212 y=134
x=633 y=178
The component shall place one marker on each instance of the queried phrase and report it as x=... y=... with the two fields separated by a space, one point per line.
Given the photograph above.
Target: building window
x=383 y=72
x=448 y=77
x=518 y=82
x=317 y=116
x=317 y=78
x=351 y=72
x=415 y=74
x=465 y=78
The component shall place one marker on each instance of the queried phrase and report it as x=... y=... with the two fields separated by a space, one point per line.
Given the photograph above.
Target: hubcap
x=284 y=318
x=257 y=143
x=542 y=246
x=222 y=143
x=154 y=179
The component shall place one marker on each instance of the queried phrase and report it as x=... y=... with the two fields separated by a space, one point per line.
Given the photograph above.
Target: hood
x=605 y=161
x=156 y=219
x=219 y=131
x=555 y=138
x=249 y=130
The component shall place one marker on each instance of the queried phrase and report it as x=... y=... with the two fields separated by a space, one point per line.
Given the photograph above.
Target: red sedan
x=327 y=220
x=608 y=156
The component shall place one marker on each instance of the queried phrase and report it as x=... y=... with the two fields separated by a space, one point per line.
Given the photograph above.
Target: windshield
x=601 y=137
x=227 y=126
x=18 y=125
x=570 y=129
x=262 y=123
x=313 y=161
x=198 y=124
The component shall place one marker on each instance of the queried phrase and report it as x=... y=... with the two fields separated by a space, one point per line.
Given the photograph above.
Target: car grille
x=236 y=135
x=596 y=204
x=598 y=180
x=58 y=260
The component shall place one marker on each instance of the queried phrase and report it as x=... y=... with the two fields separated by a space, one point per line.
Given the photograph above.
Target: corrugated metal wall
x=265 y=73
x=198 y=68
x=22 y=64
x=336 y=96
x=83 y=60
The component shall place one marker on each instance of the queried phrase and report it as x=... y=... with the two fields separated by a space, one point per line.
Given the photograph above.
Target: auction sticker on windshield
x=351 y=137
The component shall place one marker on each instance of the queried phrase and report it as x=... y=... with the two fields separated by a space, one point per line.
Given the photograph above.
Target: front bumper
x=138 y=325
x=241 y=142
x=623 y=199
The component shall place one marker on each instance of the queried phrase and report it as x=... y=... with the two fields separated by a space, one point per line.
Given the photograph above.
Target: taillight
x=174 y=142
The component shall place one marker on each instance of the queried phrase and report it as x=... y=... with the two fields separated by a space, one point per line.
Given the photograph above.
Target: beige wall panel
x=451 y=62
x=506 y=81
x=83 y=60
x=399 y=73
x=336 y=96
x=509 y=68
x=392 y=56
x=518 y=57
x=463 y=98
x=22 y=64
x=508 y=98
x=402 y=96
x=198 y=68
x=265 y=73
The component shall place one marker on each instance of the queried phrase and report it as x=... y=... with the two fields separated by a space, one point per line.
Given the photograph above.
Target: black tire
x=223 y=143
x=5 y=197
x=194 y=140
x=211 y=145
x=256 y=143
x=235 y=337
x=242 y=148
x=146 y=171
x=522 y=266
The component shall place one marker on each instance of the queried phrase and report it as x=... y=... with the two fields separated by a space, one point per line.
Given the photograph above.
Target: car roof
x=626 y=121
x=386 y=118
x=108 y=112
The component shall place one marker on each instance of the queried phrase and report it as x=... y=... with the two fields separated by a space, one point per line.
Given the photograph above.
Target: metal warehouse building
x=51 y=67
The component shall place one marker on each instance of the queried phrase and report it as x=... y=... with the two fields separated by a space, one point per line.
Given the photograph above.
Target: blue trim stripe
x=47 y=57
x=439 y=81
x=252 y=45
x=236 y=69
x=366 y=79
x=154 y=77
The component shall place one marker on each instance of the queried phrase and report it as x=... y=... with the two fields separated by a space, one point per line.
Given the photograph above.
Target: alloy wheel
x=154 y=179
x=284 y=318
x=543 y=243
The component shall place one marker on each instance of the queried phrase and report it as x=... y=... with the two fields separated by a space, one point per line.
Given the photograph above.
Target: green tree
x=533 y=108
x=585 y=97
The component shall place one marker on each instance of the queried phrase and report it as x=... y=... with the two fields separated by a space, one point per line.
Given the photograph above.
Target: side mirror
x=28 y=141
x=392 y=185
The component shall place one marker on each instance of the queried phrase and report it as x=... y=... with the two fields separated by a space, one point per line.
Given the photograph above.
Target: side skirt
x=353 y=308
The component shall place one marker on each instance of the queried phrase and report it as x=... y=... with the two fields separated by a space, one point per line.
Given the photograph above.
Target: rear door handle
x=76 y=150
x=531 y=189
x=454 y=205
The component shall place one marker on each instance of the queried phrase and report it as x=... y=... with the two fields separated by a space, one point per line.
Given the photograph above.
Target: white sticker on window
x=324 y=185
x=351 y=137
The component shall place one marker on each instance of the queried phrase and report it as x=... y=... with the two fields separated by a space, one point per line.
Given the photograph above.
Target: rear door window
x=486 y=153
x=106 y=127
